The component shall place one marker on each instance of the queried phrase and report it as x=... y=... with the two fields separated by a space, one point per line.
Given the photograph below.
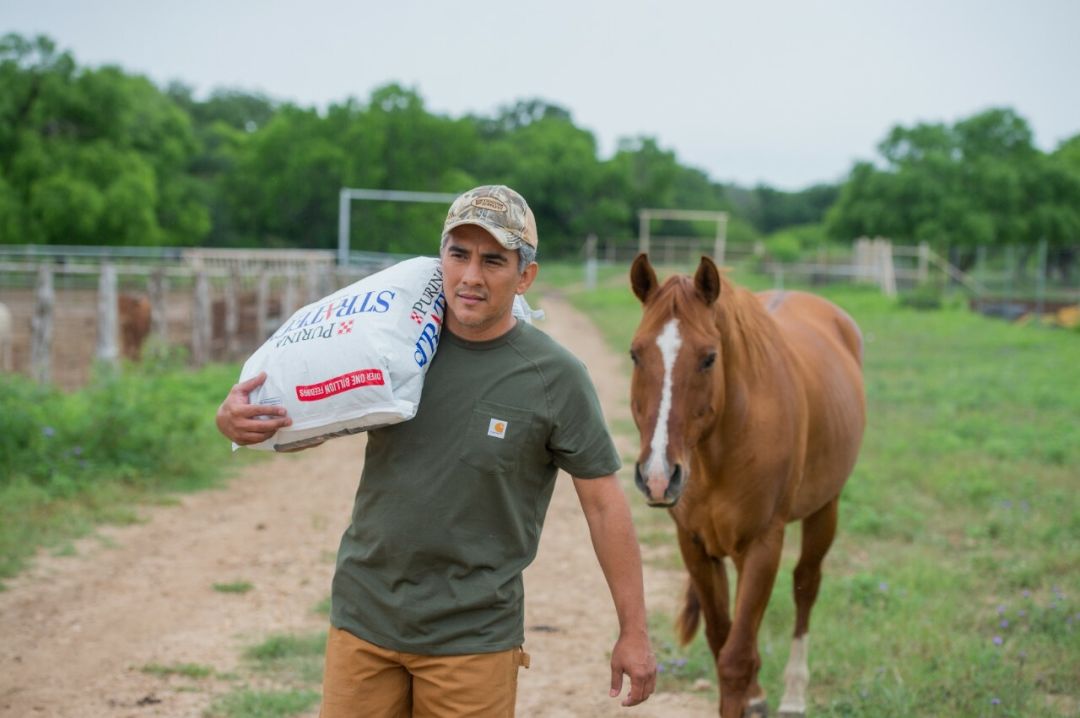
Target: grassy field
x=953 y=588
x=71 y=461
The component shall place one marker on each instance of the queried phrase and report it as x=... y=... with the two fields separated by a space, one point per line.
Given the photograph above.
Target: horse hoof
x=757 y=709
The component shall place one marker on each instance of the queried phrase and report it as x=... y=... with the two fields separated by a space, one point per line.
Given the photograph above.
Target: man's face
x=481 y=279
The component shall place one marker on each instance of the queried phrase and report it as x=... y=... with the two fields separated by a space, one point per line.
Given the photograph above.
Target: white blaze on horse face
x=669 y=342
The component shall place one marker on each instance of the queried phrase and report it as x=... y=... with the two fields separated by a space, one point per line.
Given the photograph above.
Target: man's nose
x=472 y=274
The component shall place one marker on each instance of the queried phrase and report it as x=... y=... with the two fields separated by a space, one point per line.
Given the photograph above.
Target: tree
x=978 y=182
x=91 y=156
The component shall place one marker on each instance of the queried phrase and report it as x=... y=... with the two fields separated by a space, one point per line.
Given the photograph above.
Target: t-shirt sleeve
x=580 y=441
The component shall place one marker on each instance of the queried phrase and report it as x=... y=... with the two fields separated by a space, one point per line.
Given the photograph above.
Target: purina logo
x=497 y=428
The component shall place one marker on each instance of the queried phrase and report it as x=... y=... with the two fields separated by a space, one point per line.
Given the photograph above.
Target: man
x=427 y=614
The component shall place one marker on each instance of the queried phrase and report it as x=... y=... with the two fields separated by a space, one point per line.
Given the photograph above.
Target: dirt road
x=76 y=631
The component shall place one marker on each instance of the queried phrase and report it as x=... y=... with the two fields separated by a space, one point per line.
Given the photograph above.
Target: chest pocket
x=495 y=437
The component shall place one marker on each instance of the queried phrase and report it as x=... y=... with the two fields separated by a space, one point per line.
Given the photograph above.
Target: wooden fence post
x=262 y=308
x=862 y=260
x=590 y=262
x=232 y=315
x=288 y=303
x=42 y=327
x=886 y=274
x=924 y=262
x=201 y=319
x=159 y=320
x=108 y=349
x=313 y=290
x=720 y=242
x=7 y=339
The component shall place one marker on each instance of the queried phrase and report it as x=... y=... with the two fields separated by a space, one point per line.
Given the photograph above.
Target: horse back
x=826 y=346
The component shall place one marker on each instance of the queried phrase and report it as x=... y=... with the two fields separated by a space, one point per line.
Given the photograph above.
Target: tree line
x=104 y=156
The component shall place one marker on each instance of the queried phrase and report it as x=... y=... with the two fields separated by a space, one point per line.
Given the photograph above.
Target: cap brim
x=507 y=240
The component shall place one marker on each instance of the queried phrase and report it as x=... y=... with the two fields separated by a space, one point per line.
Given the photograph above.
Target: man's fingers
x=251 y=384
x=641 y=687
x=251 y=411
x=256 y=430
x=616 y=682
x=633 y=696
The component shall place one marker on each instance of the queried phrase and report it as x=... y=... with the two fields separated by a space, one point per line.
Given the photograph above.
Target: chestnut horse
x=751 y=409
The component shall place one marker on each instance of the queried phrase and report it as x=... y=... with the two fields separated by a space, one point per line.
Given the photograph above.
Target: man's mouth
x=471 y=298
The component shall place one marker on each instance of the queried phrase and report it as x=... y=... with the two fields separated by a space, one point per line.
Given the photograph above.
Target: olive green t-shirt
x=451 y=503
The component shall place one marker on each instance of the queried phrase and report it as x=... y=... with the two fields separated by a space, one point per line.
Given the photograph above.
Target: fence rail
x=69 y=310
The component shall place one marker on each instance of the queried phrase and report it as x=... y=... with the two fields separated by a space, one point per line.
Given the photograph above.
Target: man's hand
x=612 y=531
x=633 y=656
x=247 y=423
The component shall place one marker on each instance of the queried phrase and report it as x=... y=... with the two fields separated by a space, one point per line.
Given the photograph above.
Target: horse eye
x=633 y=357
x=708 y=361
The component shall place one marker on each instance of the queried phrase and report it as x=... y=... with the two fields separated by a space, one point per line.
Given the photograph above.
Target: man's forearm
x=616 y=547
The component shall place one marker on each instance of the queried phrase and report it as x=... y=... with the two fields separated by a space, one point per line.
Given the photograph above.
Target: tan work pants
x=362 y=680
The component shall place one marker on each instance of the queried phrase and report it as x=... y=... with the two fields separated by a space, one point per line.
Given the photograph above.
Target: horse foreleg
x=818 y=531
x=739 y=660
x=708 y=579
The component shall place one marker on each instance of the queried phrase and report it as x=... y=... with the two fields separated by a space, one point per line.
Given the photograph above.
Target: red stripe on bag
x=339 y=384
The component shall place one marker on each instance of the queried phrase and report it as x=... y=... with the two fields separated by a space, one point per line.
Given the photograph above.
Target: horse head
x=678 y=384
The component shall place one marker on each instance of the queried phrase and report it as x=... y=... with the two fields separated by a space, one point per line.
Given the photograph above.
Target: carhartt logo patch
x=497 y=428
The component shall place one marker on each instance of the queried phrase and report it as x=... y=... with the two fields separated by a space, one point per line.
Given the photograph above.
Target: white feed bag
x=354 y=360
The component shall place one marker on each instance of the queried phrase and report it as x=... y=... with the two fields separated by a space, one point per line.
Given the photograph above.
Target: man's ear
x=527 y=277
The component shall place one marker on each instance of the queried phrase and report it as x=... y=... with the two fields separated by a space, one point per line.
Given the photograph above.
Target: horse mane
x=746 y=329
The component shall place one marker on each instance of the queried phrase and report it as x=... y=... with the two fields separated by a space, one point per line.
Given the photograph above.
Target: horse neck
x=749 y=339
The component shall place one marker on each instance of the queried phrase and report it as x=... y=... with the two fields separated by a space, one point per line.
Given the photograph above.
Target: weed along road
x=159 y=618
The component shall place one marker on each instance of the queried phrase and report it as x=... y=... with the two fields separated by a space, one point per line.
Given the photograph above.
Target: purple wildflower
x=998 y=640
x=1004 y=623
x=48 y=431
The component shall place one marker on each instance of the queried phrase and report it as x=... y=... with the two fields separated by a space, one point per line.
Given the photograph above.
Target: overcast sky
x=786 y=93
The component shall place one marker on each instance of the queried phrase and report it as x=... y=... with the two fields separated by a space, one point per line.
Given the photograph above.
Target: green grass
x=233 y=587
x=291 y=658
x=70 y=462
x=250 y=703
x=286 y=668
x=187 y=670
x=952 y=588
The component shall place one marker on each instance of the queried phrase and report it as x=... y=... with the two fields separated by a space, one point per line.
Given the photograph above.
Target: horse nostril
x=675 y=485
x=639 y=479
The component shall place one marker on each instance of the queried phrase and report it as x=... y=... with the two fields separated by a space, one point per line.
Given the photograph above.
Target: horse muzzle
x=661 y=488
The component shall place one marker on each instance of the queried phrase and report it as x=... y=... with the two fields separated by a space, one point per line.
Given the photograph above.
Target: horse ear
x=643 y=277
x=707 y=281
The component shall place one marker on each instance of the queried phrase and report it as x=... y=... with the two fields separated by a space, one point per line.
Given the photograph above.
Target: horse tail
x=687 y=623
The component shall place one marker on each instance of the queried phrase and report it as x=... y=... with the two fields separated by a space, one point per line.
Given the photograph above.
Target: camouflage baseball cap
x=498 y=209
